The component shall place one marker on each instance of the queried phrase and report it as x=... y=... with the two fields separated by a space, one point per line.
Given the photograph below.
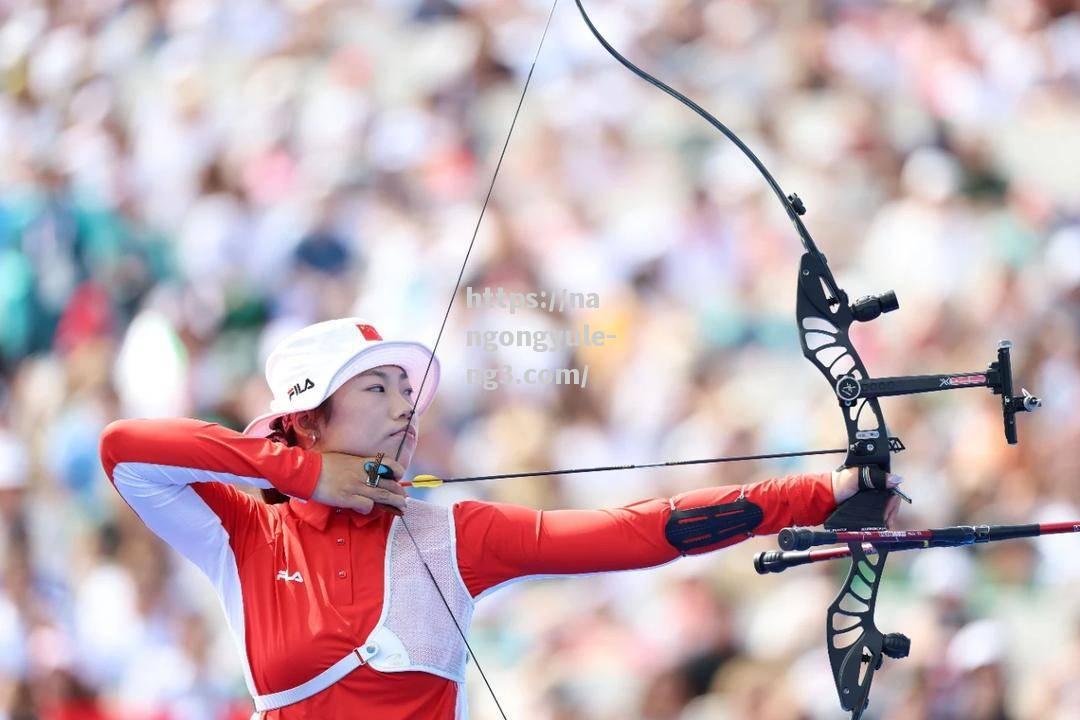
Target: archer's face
x=370 y=415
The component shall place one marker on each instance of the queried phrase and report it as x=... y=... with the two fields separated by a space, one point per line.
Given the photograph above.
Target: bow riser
x=824 y=319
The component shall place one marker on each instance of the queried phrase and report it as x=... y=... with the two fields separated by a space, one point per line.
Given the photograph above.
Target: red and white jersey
x=302 y=583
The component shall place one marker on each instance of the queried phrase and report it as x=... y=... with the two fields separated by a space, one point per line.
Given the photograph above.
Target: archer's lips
x=409 y=431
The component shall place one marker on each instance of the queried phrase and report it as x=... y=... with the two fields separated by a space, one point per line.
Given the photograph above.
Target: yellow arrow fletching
x=426 y=481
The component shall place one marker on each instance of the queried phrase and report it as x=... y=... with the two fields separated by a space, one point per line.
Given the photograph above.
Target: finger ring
x=375 y=475
x=374 y=470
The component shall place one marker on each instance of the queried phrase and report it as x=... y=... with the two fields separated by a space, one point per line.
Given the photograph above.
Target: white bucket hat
x=310 y=364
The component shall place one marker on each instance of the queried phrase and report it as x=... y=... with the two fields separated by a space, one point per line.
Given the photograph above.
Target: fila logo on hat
x=297 y=389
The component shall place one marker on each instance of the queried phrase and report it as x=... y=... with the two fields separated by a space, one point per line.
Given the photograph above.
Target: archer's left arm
x=712 y=518
x=497 y=542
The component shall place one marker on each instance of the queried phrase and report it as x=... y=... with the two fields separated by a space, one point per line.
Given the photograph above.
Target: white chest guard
x=414 y=632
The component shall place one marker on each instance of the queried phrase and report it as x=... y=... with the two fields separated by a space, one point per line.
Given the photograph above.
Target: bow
x=824 y=315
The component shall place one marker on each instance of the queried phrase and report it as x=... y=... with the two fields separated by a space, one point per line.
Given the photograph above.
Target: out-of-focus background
x=183 y=181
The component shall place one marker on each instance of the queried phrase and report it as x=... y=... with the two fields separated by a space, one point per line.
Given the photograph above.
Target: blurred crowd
x=184 y=181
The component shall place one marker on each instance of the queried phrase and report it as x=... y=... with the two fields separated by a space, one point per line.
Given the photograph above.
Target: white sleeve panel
x=163 y=499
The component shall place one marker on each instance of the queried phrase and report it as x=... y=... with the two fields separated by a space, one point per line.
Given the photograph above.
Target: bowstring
x=442 y=328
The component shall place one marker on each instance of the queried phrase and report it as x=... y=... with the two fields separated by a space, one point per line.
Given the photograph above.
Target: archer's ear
x=304 y=421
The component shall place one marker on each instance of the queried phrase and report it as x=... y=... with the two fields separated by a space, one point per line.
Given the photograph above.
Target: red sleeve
x=200 y=445
x=178 y=475
x=794 y=500
x=497 y=542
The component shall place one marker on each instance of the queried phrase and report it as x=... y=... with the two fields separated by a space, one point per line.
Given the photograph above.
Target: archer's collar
x=318 y=514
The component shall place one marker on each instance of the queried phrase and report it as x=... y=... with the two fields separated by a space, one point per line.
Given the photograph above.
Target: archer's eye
x=408 y=393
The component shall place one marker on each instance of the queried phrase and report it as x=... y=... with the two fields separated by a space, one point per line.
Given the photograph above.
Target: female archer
x=333 y=611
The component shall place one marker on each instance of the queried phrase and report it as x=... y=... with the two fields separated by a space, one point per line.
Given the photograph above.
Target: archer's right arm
x=178 y=474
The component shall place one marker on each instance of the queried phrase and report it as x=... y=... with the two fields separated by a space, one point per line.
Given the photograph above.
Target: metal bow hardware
x=824 y=315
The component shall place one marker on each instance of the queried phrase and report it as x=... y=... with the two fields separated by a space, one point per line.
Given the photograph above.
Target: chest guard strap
x=703 y=527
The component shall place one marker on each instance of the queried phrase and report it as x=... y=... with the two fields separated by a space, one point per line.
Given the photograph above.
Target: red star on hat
x=369 y=332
